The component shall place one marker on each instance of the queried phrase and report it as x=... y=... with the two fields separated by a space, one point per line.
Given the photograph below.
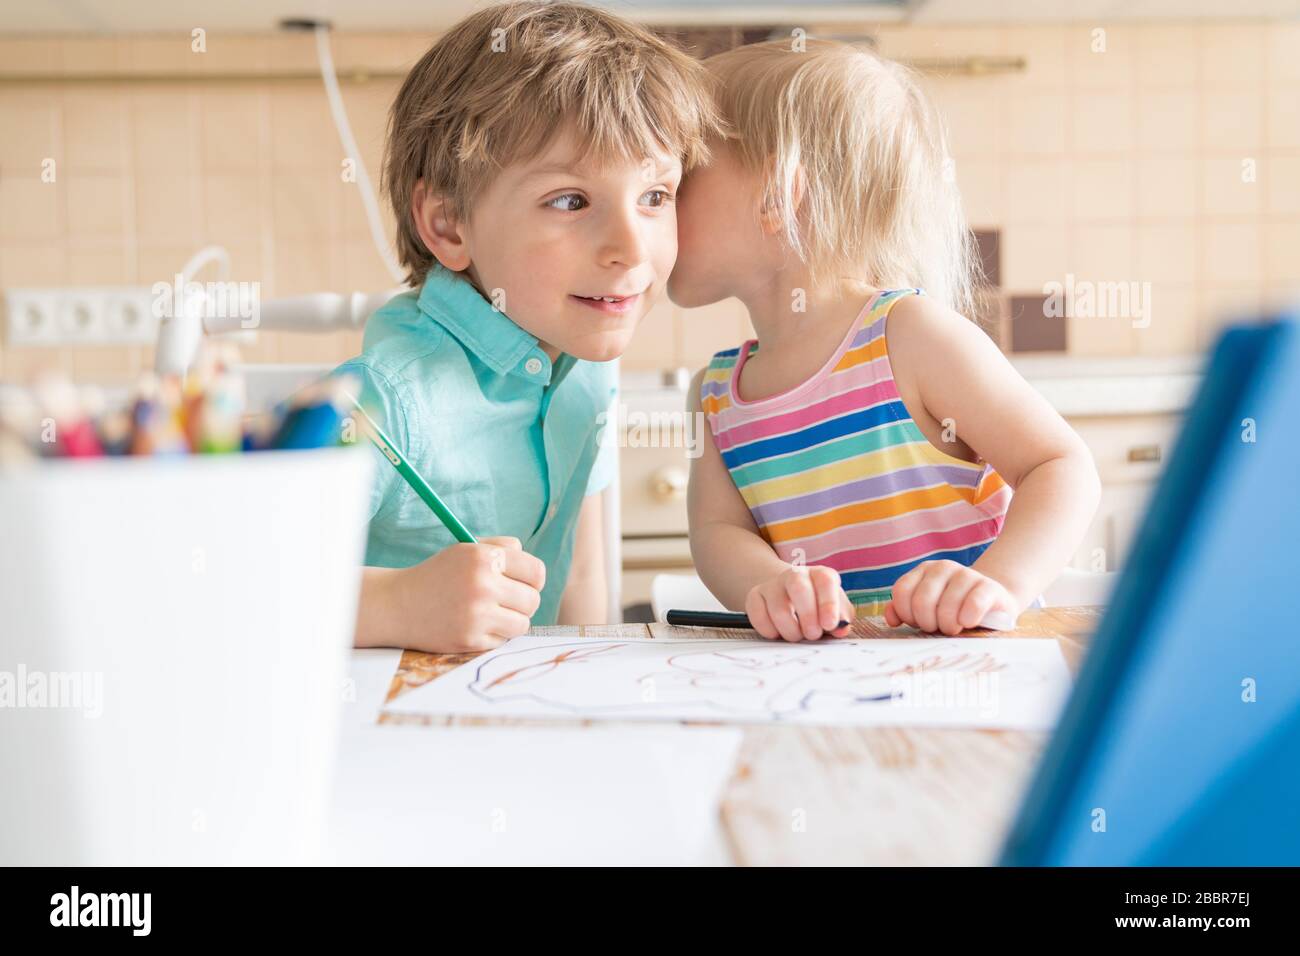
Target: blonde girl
x=871 y=452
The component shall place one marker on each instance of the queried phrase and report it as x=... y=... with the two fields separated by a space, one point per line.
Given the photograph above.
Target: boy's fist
x=471 y=597
x=800 y=603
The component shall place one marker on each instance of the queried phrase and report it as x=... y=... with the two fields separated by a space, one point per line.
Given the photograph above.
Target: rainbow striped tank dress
x=836 y=472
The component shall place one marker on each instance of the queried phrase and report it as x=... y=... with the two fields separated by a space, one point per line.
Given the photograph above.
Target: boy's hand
x=946 y=597
x=802 y=603
x=471 y=597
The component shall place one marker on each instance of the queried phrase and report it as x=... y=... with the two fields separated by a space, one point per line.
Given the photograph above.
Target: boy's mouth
x=609 y=304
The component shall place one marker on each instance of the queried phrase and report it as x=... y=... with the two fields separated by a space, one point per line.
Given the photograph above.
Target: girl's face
x=720 y=244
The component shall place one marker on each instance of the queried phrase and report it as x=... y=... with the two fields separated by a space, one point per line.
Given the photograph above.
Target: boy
x=532 y=159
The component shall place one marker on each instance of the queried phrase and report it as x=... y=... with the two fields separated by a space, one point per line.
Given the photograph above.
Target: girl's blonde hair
x=855 y=163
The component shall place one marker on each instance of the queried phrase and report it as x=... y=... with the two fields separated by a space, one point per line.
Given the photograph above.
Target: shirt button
x=550 y=512
x=533 y=366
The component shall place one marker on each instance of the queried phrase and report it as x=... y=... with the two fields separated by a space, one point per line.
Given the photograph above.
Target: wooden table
x=847 y=795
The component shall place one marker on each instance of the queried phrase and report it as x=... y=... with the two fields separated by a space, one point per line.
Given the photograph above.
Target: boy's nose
x=623 y=242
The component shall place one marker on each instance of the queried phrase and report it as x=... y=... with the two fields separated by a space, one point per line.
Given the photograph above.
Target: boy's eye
x=659 y=197
x=569 y=202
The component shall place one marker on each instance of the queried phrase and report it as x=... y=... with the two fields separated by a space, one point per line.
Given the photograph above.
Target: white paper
x=959 y=682
x=531 y=795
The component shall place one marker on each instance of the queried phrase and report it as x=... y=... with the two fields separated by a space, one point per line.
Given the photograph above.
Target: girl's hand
x=946 y=597
x=800 y=603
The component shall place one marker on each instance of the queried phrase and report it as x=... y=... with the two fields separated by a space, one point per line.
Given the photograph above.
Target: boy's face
x=548 y=240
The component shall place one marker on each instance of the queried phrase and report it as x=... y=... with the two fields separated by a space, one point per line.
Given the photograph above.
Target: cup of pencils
x=179 y=581
x=205 y=413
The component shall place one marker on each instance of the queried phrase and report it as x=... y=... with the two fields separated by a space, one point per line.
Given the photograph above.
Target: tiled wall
x=1123 y=165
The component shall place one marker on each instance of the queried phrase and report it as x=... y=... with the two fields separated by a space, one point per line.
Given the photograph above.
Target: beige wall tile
x=159 y=261
x=1232 y=121
x=1036 y=124
x=32 y=209
x=1103 y=253
x=1282 y=45
x=233 y=207
x=1167 y=187
x=169 y=207
x=300 y=269
x=1101 y=121
x=98 y=204
x=355 y=223
x=1229 y=252
x=30 y=121
x=1168 y=55
x=302 y=133
x=980 y=182
x=307 y=205
x=164 y=131
x=101 y=264
x=236 y=128
x=1280 y=175
x=1173 y=329
x=1281 y=252
x=975 y=125
x=1033 y=255
x=1037 y=190
x=95 y=130
x=1224 y=192
x=1043 y=48
x=362 y=268
x=1282 y=128
x=1103 y=189
x=1101 y=56
x=1166 y=252
x=31 y=264
x=1167 y=120
x=1232 y=56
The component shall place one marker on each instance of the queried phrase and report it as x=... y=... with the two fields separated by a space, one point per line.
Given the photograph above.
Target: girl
x=862 y=451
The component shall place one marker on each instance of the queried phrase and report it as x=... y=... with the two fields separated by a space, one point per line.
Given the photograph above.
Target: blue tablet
x=1180 y=744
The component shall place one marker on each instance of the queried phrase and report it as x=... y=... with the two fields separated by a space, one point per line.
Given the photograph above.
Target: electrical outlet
x=107 y=315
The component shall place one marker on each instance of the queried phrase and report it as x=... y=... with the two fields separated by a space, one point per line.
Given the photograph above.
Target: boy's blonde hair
x=503 y=82
x=855 y=133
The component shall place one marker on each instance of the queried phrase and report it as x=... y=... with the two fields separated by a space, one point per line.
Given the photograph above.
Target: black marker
x=718 y=619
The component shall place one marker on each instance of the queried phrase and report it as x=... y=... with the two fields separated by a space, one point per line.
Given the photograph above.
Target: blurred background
x=1137 y=163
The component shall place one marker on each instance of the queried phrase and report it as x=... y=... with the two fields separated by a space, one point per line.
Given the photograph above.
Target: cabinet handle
x=1144 y=453
x=668 y=483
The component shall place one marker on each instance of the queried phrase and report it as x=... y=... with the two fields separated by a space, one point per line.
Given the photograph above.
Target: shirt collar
x=452 y=301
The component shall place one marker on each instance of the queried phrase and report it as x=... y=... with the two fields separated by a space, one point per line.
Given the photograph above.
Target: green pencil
x=413 y=478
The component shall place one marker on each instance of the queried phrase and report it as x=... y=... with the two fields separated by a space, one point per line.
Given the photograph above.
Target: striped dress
x=835 y=471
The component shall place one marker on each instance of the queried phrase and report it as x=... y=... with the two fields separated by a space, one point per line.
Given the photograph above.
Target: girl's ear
x=440 y=229
x=769 y=216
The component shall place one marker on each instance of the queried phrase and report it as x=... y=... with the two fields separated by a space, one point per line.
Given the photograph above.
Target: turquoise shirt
x=509 y=441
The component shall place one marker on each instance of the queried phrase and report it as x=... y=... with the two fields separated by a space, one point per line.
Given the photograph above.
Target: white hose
x=350 y=150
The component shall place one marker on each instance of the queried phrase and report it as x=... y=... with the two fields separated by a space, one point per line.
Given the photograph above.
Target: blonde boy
x=532 y=160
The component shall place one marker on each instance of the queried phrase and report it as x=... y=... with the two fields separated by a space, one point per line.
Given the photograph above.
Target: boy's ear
x=440 y=229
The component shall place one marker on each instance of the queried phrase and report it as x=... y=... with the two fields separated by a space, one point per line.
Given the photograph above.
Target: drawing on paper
x=976 y=682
